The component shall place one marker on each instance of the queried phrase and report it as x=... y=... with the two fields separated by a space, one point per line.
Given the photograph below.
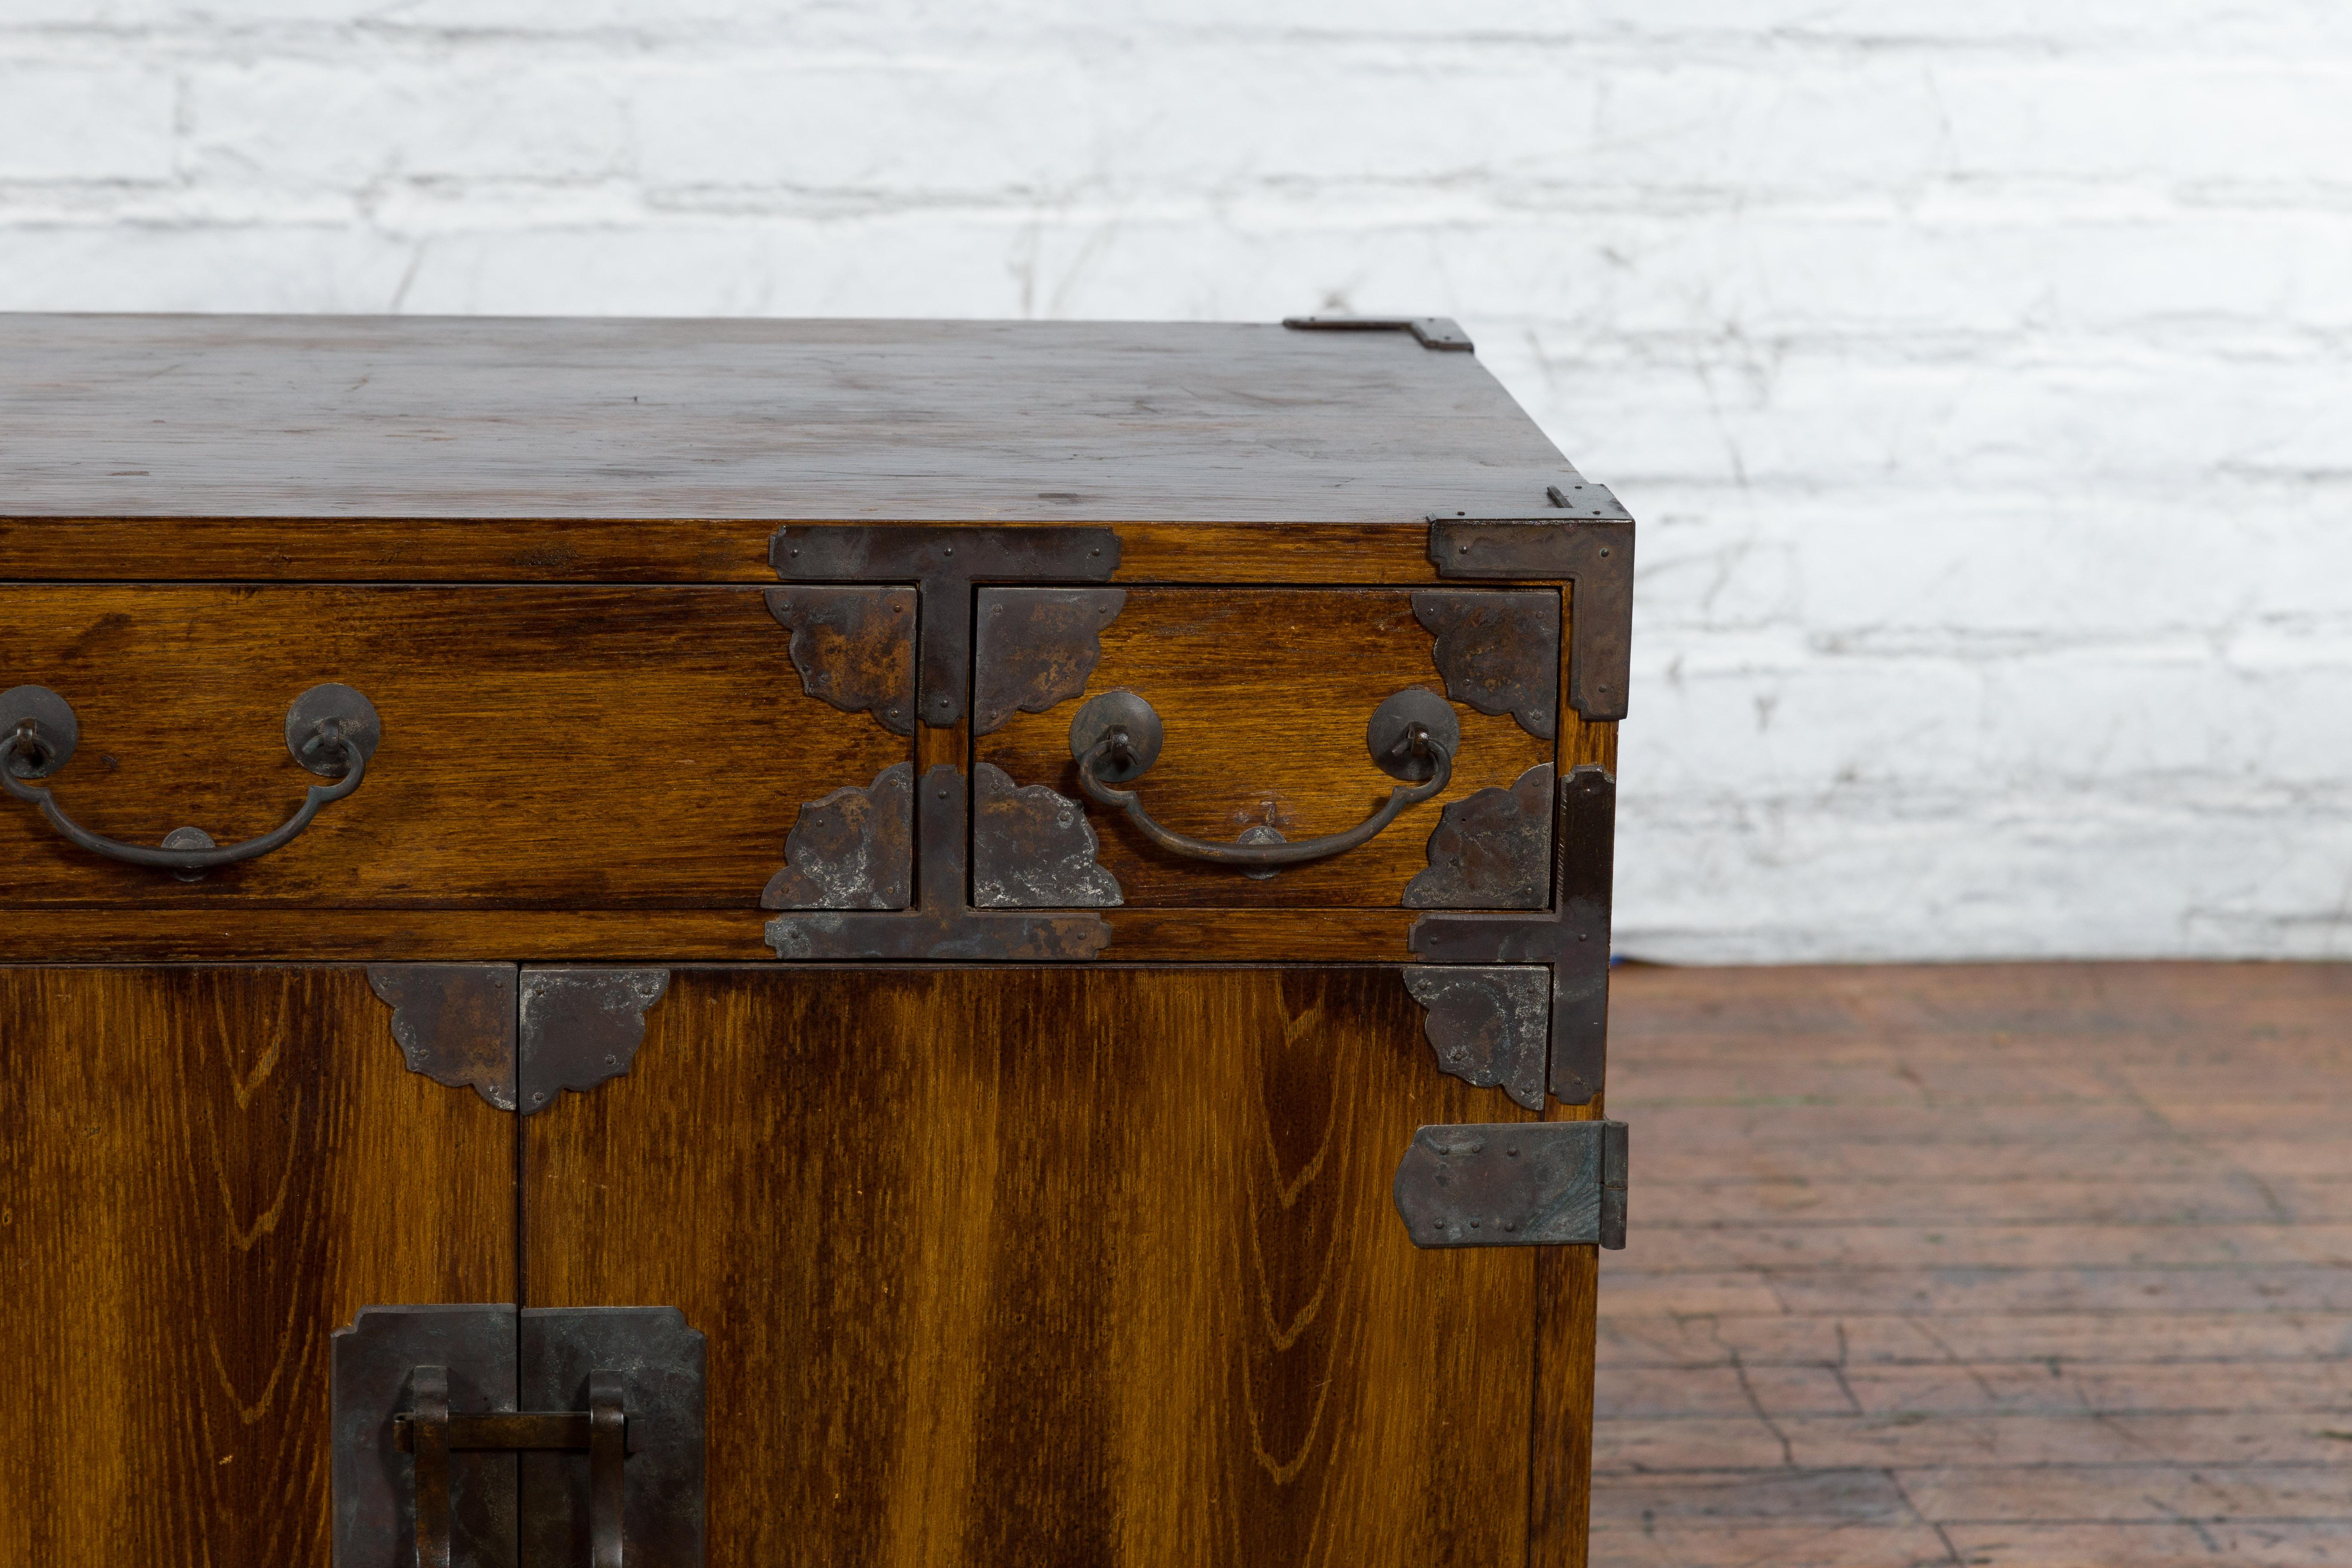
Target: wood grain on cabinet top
x=291 y=417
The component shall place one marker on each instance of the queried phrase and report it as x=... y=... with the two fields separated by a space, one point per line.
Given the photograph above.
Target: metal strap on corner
x=1587 y=542
x=1430 y=331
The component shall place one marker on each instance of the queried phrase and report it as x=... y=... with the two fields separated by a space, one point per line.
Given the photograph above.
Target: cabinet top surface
x=502 y=417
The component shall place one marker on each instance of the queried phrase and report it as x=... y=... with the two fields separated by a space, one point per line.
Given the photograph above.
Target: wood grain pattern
x=242 y=932
x=1560 y=1488
x=480 y=418
x=1073 y=1267
x=204 y=1173
x=632 y=550
x=582 y=748
x=1265 y=694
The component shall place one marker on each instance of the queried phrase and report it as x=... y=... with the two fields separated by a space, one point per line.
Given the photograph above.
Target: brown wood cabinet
x=763 y=943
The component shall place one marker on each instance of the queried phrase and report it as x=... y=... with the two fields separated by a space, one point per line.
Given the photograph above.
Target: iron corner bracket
x=1591 y=548
x=943 y=562
x=1570 y=940
x=940 y=925
x=1430 y=331
x=517 y=1037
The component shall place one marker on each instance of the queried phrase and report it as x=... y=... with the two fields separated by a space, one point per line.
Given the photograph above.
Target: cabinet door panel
x=1054 y=1266
x=202 y=1173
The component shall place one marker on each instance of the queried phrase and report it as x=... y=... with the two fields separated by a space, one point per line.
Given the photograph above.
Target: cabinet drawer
x=642 y=748
x=1262 y=698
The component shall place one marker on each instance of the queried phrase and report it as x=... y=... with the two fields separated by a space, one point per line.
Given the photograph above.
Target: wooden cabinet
x=954 y=943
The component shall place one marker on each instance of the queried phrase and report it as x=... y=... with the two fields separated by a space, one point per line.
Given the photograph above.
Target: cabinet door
x=1072 y=1265
x=204 y=1172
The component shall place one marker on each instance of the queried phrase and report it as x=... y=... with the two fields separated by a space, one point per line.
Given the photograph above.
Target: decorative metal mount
x=1491 y=849
x=854 y=849
x=1488 y=1026
x=1033 y=848
x=1499 y=651
x=1572 y=937
x=943 y=563
x=1036 y=647
x=1592 y=547
x=1534 y=1183
x=1432 y=332
x=454 y=1023
x=940 y=925
x=580 y=1028
x=518 y=1040
x=545 y=1437
x=854 y=647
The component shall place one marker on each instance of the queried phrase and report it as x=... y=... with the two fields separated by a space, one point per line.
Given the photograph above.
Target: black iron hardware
x=1033 y=848
x=331 y=730
x=940 y=925
x=1499 y=650
x=852 y=849
x=1572 y=937
x=579 y=1027
x=1117 y=737
x=518 y=1039
x=1489 y=1026
x=1431 y=331
x=1534 y=1184
x=1491 y=849
x=454 y=1023
x=1591 y=547
x=854 y=647
x=943 y=563
x=1033 y=648
x=542 y=1438
x=429 y=1432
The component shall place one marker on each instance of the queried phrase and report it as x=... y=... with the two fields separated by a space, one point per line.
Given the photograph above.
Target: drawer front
x=630 y=749
x=1262 y=698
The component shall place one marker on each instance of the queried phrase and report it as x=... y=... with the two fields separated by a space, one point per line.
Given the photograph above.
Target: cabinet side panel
x=202 y=1173
x=1559 y=1496
x=1083 y=1265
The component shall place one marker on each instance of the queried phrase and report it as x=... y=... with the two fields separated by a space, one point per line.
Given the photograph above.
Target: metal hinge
x=1534 y=1184
x=1433 y=332
x=545 y=1438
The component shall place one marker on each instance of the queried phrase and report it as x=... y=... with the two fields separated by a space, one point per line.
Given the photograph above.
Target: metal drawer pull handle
x=1116 y=737
x=430 y=1433
x=332 y=730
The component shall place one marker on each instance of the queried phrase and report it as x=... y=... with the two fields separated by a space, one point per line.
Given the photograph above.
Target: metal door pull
x=430 y=1433
x=1413 y=736
x=332 y=730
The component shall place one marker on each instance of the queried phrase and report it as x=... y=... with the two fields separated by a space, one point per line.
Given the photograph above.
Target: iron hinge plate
x=1534 y=1184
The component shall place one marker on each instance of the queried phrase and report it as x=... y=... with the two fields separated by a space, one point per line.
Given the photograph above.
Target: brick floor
x=2041 y=1265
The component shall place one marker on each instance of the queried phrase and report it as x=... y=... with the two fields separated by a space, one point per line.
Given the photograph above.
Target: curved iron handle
x=1422 y=739
x=329 y=728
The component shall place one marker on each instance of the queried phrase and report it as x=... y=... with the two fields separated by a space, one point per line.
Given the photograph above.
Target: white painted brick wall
x=1981 y=373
